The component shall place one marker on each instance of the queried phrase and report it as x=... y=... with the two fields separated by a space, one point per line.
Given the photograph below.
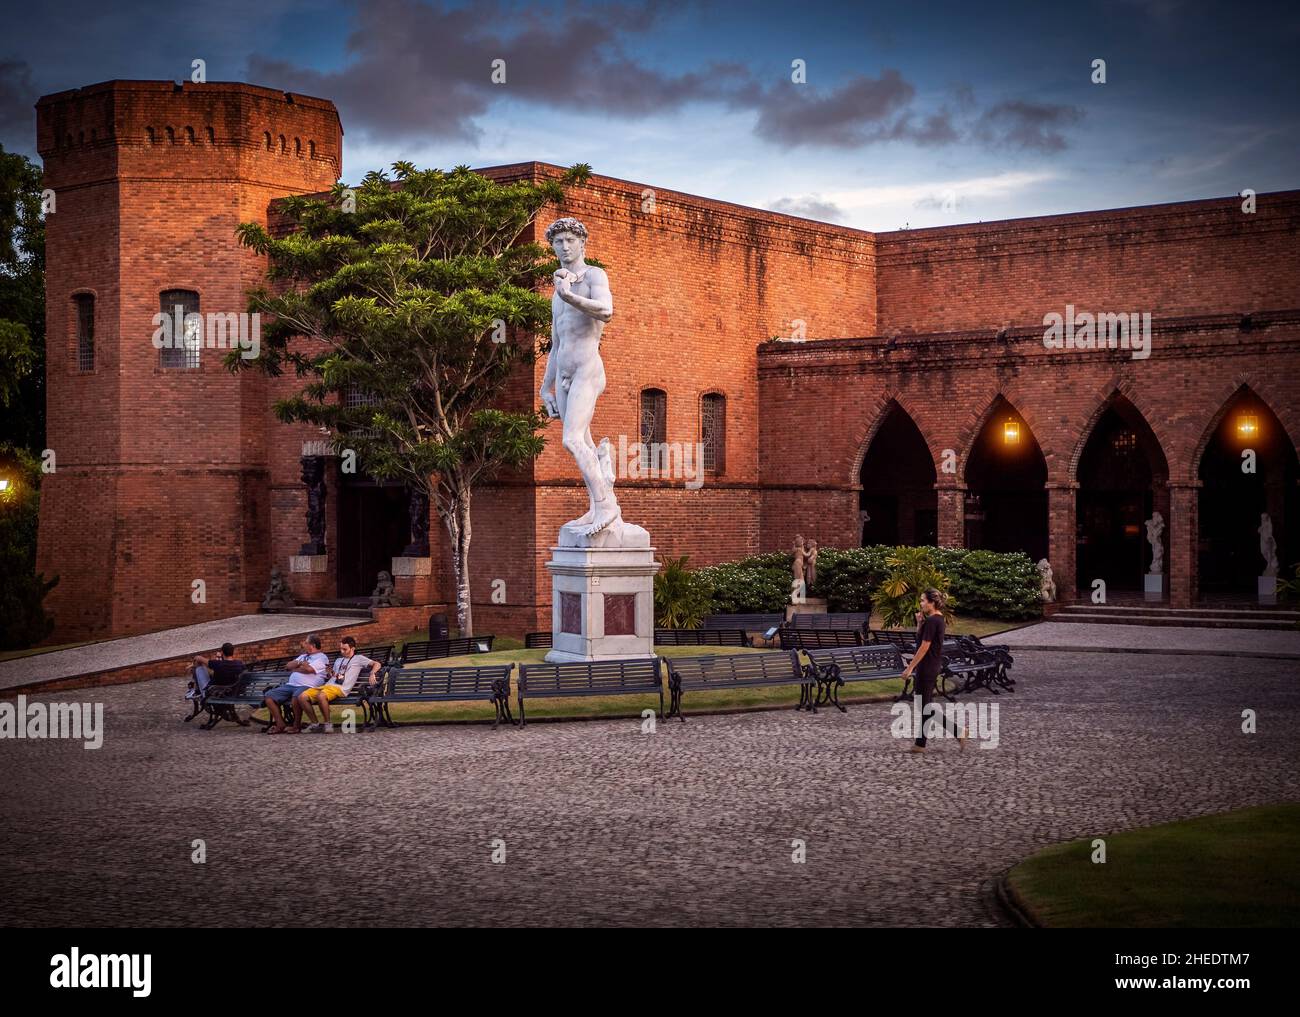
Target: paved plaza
x=604 y=825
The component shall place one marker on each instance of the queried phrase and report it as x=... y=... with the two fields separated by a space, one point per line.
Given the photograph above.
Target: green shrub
x=748 y=586
x=682 y=598
x=986 y=583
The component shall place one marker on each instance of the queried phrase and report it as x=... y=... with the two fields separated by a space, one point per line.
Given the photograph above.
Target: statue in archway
x=1046 y=580
x=1267 y=545
x=1155 y=531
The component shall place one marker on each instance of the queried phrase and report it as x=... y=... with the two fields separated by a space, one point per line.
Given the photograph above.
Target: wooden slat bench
x=738 y=670
x=818 y=639
x=428 y=649
x=639 y=676
x=701 y=637
x=834 y=667
x=250 y=691
x=539 y=640
x=270 y=664
x=973 y=665
x=747 y=622
x=443 y=685
x=837 y=620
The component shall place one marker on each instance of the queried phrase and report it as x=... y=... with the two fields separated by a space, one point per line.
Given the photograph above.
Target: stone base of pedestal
x=1268 y=590
x=811 y=605
x=1154 y=587
x=602 y=603
x=304 y=564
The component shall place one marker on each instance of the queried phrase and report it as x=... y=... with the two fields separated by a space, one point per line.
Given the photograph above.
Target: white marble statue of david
x=575 y=374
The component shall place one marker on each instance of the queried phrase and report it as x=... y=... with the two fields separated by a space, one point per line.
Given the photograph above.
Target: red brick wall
x=1200 y=257
x=162 y=474
x=165 y=477
x=948 y=383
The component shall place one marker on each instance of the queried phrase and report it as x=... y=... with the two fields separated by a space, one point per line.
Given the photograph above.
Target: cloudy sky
x=911 y=113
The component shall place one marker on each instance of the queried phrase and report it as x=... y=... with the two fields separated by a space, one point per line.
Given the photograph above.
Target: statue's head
x=384 y=579
x=567 y=238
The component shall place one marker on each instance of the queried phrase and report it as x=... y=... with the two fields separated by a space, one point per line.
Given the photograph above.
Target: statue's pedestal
x=810 y=605
x=1154 y=586
x=1268 y=590
x=602 y=595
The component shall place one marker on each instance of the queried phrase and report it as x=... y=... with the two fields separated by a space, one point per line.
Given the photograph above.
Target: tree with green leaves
x=22 y=302
x=415 y=296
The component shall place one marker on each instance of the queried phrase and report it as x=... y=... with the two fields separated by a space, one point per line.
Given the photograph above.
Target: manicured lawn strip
x=1233 y=870
x=33 y=651
x=621 y=706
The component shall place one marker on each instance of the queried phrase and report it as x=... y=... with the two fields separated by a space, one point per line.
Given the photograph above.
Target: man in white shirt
x=347 y=669
x=306 y=672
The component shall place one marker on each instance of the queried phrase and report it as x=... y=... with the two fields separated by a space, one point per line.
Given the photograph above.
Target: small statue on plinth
x=799 y=582
x=1155 y=529
x=810 y=564
x=1267 y=545
x=385 y=592
x=277 y=594
x=1047 y=582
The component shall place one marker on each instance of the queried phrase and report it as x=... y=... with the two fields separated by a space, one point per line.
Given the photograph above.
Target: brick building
x=923 y=406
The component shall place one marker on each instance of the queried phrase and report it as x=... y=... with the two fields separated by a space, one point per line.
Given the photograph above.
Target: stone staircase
x=357 y=608
x=1239 y=616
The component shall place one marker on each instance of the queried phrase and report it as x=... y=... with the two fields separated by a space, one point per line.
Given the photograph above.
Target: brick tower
x=162 y=458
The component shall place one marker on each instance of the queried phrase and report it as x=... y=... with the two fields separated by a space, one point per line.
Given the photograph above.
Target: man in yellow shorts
x=343 y=676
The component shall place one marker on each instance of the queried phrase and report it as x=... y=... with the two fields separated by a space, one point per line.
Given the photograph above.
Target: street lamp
x=1011 y=432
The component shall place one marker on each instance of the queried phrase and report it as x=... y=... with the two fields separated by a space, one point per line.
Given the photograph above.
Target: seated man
x=309 y=670
x=347 y=669
x=221 y=670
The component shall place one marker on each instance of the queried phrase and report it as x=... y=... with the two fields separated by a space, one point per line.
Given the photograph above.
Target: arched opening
x=1122 y=478
x=1248 y=469
x=1006 y=497
x=898 y=503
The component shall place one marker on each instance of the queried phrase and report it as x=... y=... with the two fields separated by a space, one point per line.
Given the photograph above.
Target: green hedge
x=988 y=583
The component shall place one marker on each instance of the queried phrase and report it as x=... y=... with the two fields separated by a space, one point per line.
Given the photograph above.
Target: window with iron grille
x=355 y=398
x=85 y=307
x=713 y=431
x=186 y=343
x=654 y=427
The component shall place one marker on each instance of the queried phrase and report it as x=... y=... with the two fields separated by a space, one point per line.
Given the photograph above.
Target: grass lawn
x=619 y=706
x=1233 y=870
x=32 y=651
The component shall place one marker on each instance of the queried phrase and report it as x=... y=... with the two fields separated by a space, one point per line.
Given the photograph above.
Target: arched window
x=186 y=338
x=713 y=432
x=84 y=305
x=654 y=427
x=266 y=137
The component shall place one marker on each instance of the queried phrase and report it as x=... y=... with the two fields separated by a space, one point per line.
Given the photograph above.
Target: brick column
x=1183 y=537
x=1062 y=539
x=952 y=514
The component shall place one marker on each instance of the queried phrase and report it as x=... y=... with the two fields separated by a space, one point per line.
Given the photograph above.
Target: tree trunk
x=457 y=520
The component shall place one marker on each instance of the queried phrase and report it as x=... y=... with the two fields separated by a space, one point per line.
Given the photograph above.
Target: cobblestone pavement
x=604 y=825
